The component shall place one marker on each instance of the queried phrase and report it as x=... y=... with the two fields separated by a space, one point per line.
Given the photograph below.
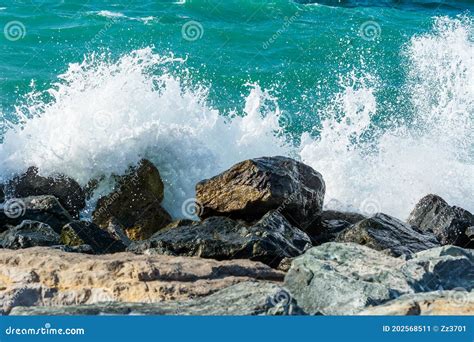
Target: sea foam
x=105 y=116
x=431 y=153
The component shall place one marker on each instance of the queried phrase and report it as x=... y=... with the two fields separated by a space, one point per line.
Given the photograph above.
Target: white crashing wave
x=432 y=154
x=107 y=115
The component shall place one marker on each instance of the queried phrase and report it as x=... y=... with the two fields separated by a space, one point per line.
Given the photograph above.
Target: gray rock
x=29 y=234
x=385 y=233
x=46 y=209
x=68 y=192
x=345 y=278
x=79 y=233
x=448 y=223
x=269 y=240
x=247 y=298
x=251 y=188
x=448 y=267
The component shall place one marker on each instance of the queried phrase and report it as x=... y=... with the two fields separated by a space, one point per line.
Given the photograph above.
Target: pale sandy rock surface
x=43 y=276
x=442 y=303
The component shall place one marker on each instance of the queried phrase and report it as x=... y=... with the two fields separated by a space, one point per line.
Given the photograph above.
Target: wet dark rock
x=29 y=234
x=326 y=231
x=79 y=233
x=251 y=188
x=448 y=223
x=2 y=193
x=45 y=209
x=385 y=233
x=331 y=223
x=269 y=240
x=68 y=192
x=135 y=203
x=345 y=278
x=334 y=215
x=246 y=298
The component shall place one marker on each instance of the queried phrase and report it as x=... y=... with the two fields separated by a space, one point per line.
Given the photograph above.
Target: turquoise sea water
x=376 y=95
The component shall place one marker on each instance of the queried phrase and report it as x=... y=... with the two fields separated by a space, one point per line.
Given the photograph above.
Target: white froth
x=106 y=116
x=434 y=154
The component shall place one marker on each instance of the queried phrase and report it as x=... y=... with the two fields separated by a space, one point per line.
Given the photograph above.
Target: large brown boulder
x=42 y=276
x=68 y=192
x=251 y=188
x=450 y=224
x=135 y=203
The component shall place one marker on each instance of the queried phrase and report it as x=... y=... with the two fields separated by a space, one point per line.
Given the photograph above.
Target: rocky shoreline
x=255 y=241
